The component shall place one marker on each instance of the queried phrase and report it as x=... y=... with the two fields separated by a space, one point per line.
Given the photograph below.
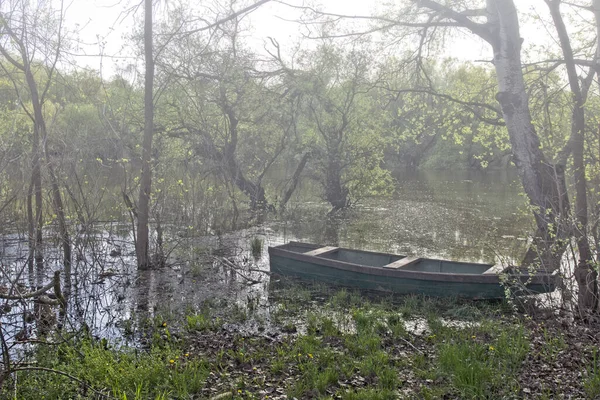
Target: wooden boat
x=402 y=274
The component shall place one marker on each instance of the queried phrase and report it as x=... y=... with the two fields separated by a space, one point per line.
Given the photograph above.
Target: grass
x=369 y=394
x=202 y=322
x=553 y=346
x=125 y=373
x=352 y=349
x=591 y=383
x=479 y=362
x=256 y=247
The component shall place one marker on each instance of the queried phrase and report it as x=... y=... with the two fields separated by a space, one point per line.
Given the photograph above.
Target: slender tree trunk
x=62 y=222
x=40 y=130
x=31 y=232
x=142 y=243
x=21 y=42
x=36 y=176
x=585 y=274
x=56 y=195
x=596 y=8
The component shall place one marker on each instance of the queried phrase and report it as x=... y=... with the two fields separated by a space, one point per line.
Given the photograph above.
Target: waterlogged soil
x=261 y=382
x=270 y=364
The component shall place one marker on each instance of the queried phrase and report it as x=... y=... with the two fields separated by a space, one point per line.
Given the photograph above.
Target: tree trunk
x=585 y=273
x=295 y=181
x=254 y=191
x=38 y=131
x=542 y=182
x=335 y=192
x=62 y=222
x=41 y=130
x=31 y=232
x=142 y=243
x=36 y=178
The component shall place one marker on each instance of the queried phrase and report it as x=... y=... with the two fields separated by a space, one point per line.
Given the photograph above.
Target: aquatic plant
x=256 y=246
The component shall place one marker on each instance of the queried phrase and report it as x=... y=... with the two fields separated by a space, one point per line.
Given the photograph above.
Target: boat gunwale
x=543 y=278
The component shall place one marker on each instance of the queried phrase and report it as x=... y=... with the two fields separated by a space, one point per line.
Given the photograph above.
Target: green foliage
x=434 y=132
x=202 y=322
x=369 y=394
x=368 y=357
x=125 y=373
x=478 y=361
x=553 y=345
x=591 y=383
x=343 y=123
x=256 y=247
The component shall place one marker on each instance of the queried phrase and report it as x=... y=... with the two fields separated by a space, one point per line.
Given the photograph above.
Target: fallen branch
x=226 y=395
x=237 y=269
x=412 y=345
x=37 y=293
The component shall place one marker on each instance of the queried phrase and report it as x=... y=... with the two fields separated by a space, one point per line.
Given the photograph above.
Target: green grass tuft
x=591 y=384
x=124 y=373
x=256 y=247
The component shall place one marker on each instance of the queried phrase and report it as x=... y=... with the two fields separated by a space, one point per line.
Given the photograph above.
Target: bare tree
x=143 y=211
x=33 y=46
x=586 y=275
x=143 y=207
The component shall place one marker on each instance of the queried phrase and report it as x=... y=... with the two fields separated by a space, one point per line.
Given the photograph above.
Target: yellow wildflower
x=171 y=361
x=492 y=348
x=310 y=355
x=164 y=324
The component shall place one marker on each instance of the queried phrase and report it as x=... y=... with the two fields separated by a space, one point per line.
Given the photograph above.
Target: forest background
x=188 y=121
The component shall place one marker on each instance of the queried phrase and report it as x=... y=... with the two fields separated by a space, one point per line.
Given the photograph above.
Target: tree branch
x=245 y=10
x=37 y=293
x=470 y=105
x=480 y=30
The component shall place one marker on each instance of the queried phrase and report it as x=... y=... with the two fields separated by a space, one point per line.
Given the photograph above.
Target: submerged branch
x=37 y=293
x=237 y=269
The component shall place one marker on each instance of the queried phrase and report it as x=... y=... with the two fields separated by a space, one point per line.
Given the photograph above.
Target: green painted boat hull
x=406 y=280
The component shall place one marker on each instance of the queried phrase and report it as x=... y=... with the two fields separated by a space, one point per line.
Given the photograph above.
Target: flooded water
x=461 y=216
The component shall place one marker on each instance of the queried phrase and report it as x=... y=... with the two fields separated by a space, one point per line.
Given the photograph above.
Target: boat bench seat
x=403 y=262
x=321 y=251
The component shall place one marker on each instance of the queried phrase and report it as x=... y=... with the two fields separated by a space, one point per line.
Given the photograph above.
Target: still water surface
x=463 y=216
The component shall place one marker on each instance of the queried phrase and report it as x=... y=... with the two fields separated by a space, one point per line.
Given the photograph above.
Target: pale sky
x=104 y=20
